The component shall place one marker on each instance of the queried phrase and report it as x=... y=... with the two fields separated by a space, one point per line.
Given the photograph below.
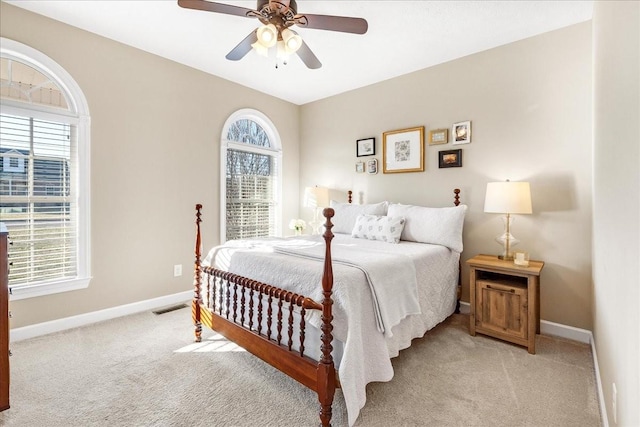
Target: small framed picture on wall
x=461 y=132
x=359 y=167
x=365 y=147
x=438 y=136
x=372 y=166
x=450 y=158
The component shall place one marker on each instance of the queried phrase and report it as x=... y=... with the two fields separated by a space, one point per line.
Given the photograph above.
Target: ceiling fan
x=277 y=17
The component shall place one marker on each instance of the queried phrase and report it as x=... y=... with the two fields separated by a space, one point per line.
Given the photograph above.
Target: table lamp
x=316 y=198
x=507 y=198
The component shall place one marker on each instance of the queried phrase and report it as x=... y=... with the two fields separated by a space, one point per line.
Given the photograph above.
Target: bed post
x=197 y=279
x=326 y=368
x=456 y=201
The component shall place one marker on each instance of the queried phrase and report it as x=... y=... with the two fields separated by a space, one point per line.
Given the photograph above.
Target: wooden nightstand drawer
x=501 y=307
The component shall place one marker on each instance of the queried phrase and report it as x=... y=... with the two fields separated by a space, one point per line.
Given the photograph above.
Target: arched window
x=44 y=173
x=251 y=177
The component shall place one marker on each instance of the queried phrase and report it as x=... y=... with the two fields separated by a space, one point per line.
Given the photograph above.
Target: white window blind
x=38 y=201
x=251 y=184
x=250 y=195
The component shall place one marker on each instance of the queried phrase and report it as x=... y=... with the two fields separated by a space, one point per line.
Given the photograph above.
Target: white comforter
x=366 y=351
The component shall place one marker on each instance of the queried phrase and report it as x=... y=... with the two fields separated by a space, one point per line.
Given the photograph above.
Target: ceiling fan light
x=267 y=35
x=292 y=41
x=281 y=52
x=260 y=49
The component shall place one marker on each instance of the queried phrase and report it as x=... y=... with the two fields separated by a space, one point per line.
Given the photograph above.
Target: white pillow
x=439 y=226
x=346 y=214
x=373 y=227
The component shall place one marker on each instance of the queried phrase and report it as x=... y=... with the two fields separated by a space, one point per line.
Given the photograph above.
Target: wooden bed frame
x=231 y=313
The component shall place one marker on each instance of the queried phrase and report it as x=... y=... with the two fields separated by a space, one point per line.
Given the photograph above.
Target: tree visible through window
x=251 y=180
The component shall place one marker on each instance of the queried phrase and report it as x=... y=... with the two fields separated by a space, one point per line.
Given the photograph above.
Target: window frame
x=78 y=116
x=275 y=151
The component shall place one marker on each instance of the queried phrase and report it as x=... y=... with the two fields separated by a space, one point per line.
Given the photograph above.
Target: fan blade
x=244 y=47
x=308 y=57
x=343 y=24
x=217 y=7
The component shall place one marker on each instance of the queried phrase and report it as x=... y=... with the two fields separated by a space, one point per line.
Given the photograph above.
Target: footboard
x=252 y=314
x=260 y=318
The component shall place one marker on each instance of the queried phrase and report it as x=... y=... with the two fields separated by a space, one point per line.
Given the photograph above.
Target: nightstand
x=505 y=300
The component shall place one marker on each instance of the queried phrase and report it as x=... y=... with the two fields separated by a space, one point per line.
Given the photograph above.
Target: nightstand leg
x=534 y=324
x=472 y=302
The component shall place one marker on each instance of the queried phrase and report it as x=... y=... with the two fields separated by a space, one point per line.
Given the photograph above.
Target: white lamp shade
x=316 y=197
x=508 y=197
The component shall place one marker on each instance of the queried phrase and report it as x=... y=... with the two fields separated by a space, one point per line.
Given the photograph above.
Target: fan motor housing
x=278 y=7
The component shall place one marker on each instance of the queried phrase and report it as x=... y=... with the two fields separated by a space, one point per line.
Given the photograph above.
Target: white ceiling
x=403 y=36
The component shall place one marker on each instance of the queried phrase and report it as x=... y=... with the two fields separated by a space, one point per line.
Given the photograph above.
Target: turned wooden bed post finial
x=326 y=367
x=457 y=197
x=197 y=279
x=350 y=196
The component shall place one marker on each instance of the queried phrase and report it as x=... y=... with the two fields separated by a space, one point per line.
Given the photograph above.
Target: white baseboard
x=44 y=328
x=576 y=334
x=564 y=331
x=603 y=408
x=464 y=307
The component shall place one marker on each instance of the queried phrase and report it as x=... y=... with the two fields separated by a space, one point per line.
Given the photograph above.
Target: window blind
x=38 y=202
x=250 y=187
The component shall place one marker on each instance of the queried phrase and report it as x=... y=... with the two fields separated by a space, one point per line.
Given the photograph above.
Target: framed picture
x=366 y=147
x=461 y=132
x=450 y=158
x=372 y=166
x=359 y=167
x=403 y=150
x=438 y=136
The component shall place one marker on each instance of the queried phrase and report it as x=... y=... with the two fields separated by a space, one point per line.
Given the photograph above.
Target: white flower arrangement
x=297 y=224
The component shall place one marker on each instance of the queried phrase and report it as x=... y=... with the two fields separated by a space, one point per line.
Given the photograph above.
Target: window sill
x=30 y=291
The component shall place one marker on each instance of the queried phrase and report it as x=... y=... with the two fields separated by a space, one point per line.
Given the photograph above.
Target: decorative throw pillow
x=439 y=226
x=346 y=214
x=374 y=227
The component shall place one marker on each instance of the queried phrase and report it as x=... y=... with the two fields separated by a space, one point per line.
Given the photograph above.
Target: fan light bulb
x=267 y=35
x=292 y=41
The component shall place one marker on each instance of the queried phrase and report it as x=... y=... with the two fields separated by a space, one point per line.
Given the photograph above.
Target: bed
x=331 y=311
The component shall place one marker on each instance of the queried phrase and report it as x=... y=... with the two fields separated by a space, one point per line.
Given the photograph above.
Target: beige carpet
x=144 y=370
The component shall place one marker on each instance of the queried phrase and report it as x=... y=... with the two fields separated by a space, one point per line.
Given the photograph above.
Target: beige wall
x=616 y=226
x=155 y=138
x=530 y=107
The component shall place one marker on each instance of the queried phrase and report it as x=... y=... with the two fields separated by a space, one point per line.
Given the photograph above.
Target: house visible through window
x=43 y=173
x=251 y=186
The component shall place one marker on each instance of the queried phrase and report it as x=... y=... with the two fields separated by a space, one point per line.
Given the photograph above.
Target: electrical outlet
x=614 y=403
x=177 y=270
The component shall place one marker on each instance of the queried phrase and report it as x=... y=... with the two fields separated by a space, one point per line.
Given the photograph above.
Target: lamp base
x=315 y=227
x=316 y=224
x=506 y=239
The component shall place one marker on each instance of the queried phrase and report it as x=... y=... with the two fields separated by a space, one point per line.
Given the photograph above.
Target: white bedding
x=366 y=352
